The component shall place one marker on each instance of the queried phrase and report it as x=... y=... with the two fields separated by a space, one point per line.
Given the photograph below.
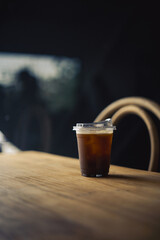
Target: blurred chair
x=137 y=105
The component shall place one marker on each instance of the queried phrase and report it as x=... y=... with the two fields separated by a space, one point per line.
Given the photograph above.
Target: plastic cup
x=94 y=142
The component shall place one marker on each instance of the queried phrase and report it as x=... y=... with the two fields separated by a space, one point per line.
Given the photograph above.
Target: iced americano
x=94 y=147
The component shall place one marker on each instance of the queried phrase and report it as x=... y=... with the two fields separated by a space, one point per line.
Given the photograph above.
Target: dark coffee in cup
x=94 y=147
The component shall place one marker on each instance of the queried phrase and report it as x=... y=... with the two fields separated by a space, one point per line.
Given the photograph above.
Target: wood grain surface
x=43 y=196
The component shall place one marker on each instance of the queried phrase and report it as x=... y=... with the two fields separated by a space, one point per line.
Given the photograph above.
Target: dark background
x=118 y=46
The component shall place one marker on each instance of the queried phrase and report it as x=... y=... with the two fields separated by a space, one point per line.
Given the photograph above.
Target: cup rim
x=102 y=125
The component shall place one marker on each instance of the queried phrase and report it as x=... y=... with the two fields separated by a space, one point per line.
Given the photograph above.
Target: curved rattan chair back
x=137 y=105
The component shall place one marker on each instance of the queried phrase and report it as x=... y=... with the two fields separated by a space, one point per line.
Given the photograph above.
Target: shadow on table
x=141 y=178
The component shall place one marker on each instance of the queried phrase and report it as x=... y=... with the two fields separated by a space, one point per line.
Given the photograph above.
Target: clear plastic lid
x=95 y=126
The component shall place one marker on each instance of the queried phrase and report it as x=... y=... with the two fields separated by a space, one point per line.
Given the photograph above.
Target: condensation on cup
x=94 y=142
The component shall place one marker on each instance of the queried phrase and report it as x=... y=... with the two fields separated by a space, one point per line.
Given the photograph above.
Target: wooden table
x=43 y=196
